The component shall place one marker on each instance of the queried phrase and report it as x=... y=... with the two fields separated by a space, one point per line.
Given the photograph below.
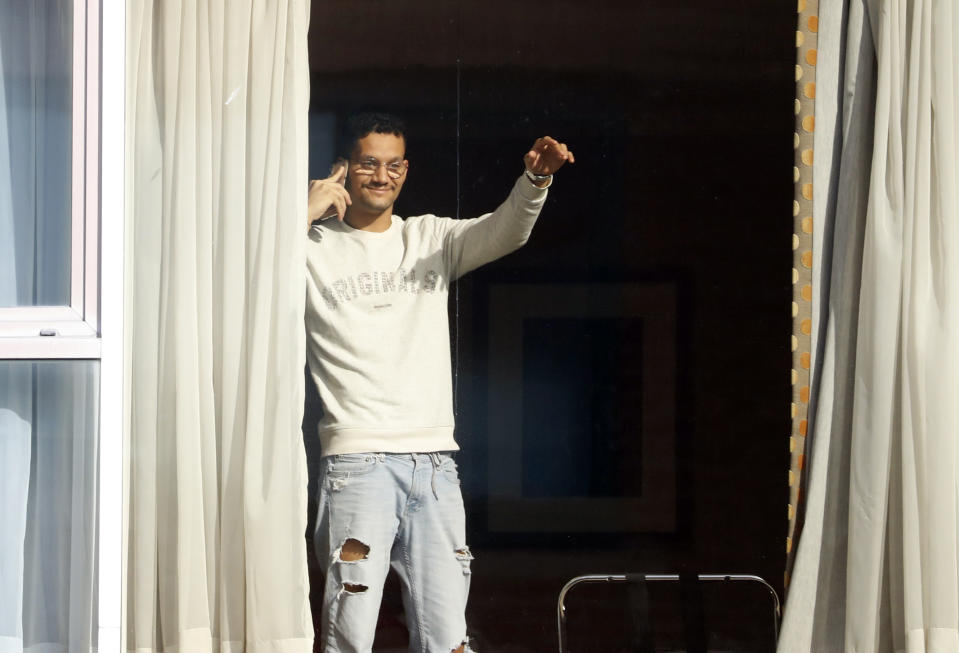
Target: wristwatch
x=533 y=177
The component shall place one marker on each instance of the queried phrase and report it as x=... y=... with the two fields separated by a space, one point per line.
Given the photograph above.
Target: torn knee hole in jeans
x=353 y=551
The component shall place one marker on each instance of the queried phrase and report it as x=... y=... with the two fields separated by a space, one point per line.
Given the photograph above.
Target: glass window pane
x=617 y=379
x=36 y=72
x=48 y=499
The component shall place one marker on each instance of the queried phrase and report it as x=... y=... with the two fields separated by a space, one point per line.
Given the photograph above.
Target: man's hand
x=328 y=197
x=547 y=156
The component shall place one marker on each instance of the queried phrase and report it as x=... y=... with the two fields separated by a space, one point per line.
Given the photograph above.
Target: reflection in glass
x=36 y=99
x=48 y=502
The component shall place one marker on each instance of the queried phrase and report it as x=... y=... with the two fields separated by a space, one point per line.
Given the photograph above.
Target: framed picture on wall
x=582 y=396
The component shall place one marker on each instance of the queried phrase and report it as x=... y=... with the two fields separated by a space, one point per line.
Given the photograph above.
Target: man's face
x=376 y=192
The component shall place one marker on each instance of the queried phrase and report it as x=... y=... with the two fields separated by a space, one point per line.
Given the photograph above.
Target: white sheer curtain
x=36 y=47
x=48 y=420
x=48 y=498
x=877 y=567
x=217 y=163
x=8 y=267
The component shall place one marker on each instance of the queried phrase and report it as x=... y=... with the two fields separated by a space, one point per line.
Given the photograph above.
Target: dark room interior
x=621 y=382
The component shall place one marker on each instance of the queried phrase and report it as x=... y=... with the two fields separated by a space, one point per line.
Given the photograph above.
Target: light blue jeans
x=404 y=510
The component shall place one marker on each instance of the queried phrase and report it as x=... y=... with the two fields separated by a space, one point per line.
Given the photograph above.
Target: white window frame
x=110 y=22
x=44 y=332
x=91 y=327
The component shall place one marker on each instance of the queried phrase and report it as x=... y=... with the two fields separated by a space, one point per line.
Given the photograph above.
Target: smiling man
x=378 y=349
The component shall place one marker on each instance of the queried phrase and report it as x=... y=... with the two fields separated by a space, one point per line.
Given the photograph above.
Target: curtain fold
x=876 y=566
x=217 y=157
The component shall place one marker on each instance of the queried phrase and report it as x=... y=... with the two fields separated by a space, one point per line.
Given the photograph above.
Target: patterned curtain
x=802 y=273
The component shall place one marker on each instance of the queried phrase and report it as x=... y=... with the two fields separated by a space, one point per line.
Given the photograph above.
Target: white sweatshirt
x=377 y=325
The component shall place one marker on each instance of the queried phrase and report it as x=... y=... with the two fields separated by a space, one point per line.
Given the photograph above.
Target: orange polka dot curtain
x=802 y=262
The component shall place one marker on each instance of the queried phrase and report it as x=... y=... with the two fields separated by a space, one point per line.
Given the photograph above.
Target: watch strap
x=532 y=176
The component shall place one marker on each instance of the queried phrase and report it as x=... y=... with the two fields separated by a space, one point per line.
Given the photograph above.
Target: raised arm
x=475 y=242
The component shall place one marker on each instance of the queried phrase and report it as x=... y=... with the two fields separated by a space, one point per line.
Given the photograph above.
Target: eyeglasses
x=395 y=170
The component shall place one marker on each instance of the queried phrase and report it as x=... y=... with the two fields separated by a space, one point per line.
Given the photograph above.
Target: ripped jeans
x=404 y=510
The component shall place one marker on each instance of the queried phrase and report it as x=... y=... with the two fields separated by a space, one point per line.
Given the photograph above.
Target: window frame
x=91 y=326
x=108 y=30
x=72 y=331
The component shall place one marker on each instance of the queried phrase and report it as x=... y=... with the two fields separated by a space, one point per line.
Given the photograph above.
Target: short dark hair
x=359 y=125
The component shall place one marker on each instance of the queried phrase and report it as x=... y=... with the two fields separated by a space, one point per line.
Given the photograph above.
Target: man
x=378 y=349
